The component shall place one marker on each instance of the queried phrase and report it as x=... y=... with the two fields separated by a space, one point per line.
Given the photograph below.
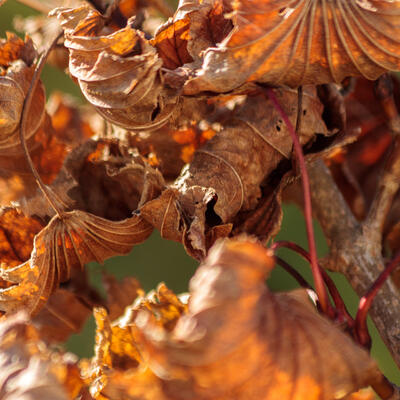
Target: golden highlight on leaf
x=69 y=241
x=295 y=43
x=234 y=339
x=118 y=73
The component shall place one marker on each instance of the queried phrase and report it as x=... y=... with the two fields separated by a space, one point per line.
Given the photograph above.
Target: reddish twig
x=316 y=271
x=361 y=329
x=290 y=270
x=341 y=312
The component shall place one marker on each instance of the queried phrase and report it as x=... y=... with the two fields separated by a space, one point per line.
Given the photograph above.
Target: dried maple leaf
x=302 y=42
x=226 y=174
x=29 y=370
x=118 y=73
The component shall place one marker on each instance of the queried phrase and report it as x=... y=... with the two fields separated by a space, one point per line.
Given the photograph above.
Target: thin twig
x=341 y=311
x=290 y=270
x=319 y=282
x=24 y=119
x=366 y=301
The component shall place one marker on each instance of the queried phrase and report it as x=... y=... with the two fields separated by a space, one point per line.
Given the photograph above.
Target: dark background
x=159 y=260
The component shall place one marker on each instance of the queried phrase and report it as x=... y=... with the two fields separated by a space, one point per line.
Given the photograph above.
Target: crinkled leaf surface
x=234 y=339
x=226 y=173
x=302 y=42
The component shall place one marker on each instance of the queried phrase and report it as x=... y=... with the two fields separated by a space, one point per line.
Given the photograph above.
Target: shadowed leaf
x=226 y=174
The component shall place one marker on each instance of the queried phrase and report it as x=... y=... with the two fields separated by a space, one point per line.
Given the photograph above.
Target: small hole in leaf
x=212 y=217
x=155 y=112
x=304 y=112
x=278 y=128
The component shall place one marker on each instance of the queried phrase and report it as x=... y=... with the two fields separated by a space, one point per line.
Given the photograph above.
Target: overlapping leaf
x=118 y=73
x=29 y=370
x=72 y=239
x=227 y=173
x=302 y=42
x=232 y=320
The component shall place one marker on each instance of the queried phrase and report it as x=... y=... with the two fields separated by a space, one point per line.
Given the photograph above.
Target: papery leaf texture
x=29 y=370
x=234 y=339
x=119 y=73
x=302 y=42
x=226 y=173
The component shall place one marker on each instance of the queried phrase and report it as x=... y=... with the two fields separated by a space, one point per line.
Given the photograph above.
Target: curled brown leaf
x=118 y=72
x=227 y=173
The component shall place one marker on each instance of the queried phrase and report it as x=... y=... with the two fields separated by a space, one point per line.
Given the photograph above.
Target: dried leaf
x=16 y=70
x=120 y=294
x=198 y=351
x=63 y=315
x=118 y=73
x=233 y=321
x=28 y=370
x=47 y=147
x=113 y=180
x=69 y=241
x=226 y=173
x=297 y=43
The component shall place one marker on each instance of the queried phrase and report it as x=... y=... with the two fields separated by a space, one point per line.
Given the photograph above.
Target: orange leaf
x=295 y=43
x=118 y=73
x=234 y=321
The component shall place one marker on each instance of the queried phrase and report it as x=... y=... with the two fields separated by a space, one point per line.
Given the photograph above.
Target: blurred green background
x=158 y=260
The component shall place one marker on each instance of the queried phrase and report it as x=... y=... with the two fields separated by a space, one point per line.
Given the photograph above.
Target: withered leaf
x=113 y=179
x=16 y=57
x=118 y=73
x=120 y=294
x=234 y=321
x=118 y=370
x=198 y=351
x=171 y=43
x=64 y=314
x=28 y=370
x=168 y=148
x=226 y=174
x=68 y=241
x=296 y=43
x=47 y=147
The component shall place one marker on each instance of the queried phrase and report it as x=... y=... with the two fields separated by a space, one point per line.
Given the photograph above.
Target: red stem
x=361 y=329
x=289 y=269
x=341 y=313
x=316 y=270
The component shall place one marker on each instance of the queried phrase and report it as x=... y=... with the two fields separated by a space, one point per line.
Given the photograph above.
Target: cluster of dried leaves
x=184 y=140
